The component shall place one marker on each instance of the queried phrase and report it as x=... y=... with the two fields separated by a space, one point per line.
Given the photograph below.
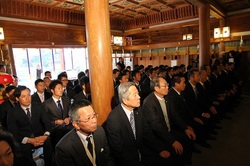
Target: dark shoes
x=205 y=144
x=211 y=138
x=196 y=150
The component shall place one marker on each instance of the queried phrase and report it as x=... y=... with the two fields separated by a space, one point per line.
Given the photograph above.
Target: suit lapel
x=54 y=107
x=78 y=146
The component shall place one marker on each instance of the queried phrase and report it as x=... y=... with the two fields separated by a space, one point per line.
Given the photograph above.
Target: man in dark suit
x=85 y=86
x=122 y=77
x=130 y=139
x=57 y=108
x=146 y=83
x=191 y=95
x=67 y=89
x=30 y=125
x=41 y=94
x=86 y=144
x=161 y=120
x=8 y=105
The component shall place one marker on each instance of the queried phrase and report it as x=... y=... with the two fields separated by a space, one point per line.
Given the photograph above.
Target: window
x=128 y=59
x=31 y=63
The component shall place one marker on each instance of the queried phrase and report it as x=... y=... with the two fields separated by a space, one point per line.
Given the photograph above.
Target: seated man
x=86 y=144
x=160 y=119
x=131 y=140
x=30 y=125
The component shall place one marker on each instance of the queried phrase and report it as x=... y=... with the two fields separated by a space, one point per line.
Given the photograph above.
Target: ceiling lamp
x=222 y=32
x=1 y=33
x=187 y=36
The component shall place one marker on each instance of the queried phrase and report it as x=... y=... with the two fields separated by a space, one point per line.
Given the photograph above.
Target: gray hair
x=155 y=82
x=73 y=111
x=123 y=90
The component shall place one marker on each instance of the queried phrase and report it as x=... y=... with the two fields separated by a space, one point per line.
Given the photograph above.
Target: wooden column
x=222 y=43
x=204 y=35
x=187 y=60
x=100 y=59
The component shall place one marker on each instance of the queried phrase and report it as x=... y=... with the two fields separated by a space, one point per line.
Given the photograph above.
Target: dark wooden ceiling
x=127 y=9
x=145 y=21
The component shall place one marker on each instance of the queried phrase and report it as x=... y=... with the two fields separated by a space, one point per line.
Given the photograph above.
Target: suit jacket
x=70 y=150
x=80 y=96
x=123 y=144
x=191 y=101
x=5 y=107
x=155 y=118
x=145 y=88
x=20 y=126
x=177 y=106
x=204 y=99
x=53 y=112
x=35 y=97
x=70 y=93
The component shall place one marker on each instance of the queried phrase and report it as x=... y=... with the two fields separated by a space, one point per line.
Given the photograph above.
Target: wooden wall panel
x=239 y=23
x=35 y=34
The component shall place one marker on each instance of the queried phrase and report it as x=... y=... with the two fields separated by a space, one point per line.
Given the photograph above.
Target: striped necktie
x=132 y=123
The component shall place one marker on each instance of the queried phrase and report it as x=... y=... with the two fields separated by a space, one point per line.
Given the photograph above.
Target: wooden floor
x=232 y=147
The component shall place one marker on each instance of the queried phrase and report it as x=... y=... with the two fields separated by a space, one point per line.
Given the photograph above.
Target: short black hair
x=8 y=137
x=54 y=83
x=176 y=79
x=80 y=74
x=9 y=88
x=134 y=72
x=84 y=80
x=38 y=81
x=191 y=72
x=46 y=72
x=61 y=75
x=19 y=89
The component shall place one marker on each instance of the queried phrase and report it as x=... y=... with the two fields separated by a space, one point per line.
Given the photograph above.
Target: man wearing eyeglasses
x=86 y=144
x=131 y=141
x=161 y=120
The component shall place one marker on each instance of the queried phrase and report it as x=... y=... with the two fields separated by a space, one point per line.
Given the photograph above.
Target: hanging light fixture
x=1 y=33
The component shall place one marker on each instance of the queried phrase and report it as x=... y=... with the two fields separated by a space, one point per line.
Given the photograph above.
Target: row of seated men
x=159 y=132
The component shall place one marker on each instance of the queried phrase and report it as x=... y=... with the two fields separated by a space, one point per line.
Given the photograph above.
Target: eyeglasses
x=88 y=119
x=164 y=85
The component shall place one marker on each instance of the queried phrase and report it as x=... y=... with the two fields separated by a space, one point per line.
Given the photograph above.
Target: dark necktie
x=132 y=123
x=15 y=104
x=60 y=107
x=28 y=114
x=90 y=147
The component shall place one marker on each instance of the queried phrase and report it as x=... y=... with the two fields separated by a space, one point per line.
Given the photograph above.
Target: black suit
x=5 y=107
x=70 y=150
x=80 y=96
x=123 y=144
x=58 y=131
x=35 y=97
x=177 y=105
x=156 y=120
x=145 y=88
x=191 y=100
x=20 y=126
x=70 y=93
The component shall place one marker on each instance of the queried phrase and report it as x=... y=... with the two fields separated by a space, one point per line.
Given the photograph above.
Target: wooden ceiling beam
x=162 y=45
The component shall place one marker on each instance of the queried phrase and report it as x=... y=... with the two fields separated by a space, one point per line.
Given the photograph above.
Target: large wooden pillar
x=204 y=35
x=187 y=60
x=99 y=50
x=222 y=43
